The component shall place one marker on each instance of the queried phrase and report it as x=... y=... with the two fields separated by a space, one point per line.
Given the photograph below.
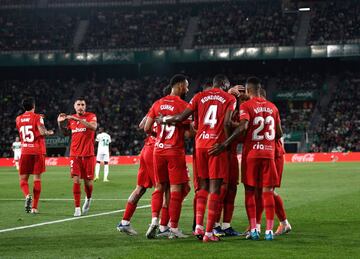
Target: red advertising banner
x=289 y=158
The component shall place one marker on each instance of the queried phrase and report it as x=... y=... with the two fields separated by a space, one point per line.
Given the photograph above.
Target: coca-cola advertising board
x=289 y=158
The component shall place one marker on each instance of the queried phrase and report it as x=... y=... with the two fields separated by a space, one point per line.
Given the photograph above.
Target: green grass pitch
x=322 y=202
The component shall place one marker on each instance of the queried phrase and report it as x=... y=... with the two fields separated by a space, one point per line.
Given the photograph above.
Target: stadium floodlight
x=304 y=9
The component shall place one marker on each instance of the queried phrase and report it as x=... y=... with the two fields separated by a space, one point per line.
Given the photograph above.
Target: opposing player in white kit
x=16 y=148
x=103 y=154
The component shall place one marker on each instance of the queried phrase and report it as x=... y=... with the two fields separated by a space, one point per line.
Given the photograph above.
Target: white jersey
x=16 y=147
x=104 y=140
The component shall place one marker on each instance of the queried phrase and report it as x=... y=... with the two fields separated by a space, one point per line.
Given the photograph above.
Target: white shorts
x=17 y=156
x=103 y=157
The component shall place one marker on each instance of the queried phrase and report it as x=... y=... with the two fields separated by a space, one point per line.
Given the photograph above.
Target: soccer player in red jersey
x=213 y=108
x=260 y=121
x=31 y=129
x=169 y=157
x=82 y=127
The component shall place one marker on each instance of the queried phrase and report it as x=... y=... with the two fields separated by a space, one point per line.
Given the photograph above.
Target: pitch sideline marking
x=68 y=219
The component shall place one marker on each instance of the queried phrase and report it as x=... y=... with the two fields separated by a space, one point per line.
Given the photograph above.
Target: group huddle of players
x=219 y=118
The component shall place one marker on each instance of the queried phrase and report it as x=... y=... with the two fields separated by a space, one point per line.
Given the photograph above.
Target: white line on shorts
x=68 y=219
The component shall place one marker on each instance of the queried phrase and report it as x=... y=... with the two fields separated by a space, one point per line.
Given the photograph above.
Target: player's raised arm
x=44 y=132
x=218 y=148
x=62 y=123
x=176 y=118
x=90 y=125
x=142 y=123
x=148 y=125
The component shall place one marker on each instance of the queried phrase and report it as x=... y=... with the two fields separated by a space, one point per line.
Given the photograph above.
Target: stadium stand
x=335 y=22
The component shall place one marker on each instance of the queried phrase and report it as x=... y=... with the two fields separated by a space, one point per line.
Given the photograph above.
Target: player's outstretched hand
x=216 y=149
x=237 y=90
x=61 y=117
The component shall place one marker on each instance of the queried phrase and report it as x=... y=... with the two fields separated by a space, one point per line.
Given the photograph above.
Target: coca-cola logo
x=303 y=158
x=51 y=161
x=114 y=160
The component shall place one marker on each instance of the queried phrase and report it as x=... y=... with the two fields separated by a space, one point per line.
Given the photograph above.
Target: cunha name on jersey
x=213 y=98
x=167 y=107
x=263 y=109
x=78 y=130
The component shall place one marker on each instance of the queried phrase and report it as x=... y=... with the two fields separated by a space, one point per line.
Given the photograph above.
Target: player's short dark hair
x=221 y=80
x=28 y=103
x=166 y=90
x=80 y=98
x=254 y=81
x=263 y=92
x=178 y=78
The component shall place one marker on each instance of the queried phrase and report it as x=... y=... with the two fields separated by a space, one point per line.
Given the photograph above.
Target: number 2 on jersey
x=27 y=133
x=261 y=122
x=210 y=116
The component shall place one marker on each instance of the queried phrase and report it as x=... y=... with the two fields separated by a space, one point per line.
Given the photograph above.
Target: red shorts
x=32 y=164
x=83 y=167
x=170 y=169
x=145 y=177
x=259 y=172
x=233 y=169
x=279 y=162
x=212 y=167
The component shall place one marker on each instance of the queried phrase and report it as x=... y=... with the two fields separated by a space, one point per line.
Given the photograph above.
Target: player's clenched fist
x=61 y=117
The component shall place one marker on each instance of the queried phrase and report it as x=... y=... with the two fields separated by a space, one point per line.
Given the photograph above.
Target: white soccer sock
x=199 y=227
x=163 y=228
x=217 y=224
x=17 y=165
x=208 y=234
x=225 y=225
x=268 y=231
x=174 y=229
x=97 y=170
x=155 y=221
x=258 y=227
x=106 y=172
x=285 y=222
x=125 y=222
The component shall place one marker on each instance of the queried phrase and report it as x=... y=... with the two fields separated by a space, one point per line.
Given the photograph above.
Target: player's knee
x=106 y=163
x=98 y=162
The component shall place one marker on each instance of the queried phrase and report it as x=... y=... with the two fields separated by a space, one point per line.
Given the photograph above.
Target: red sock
x=24 y=185
x=279 y=208
x=88 y=190
x=202 y=196
x=223 y=191
x=259 y=205
x=213 y=206
x=164 y=220
x=156 y=203
x=77 y=194
x=269 y=205
x=129 y=211
x=185 y=191
x=36 y=193
x=229 y=204
x=176 y=199
x=250 y=205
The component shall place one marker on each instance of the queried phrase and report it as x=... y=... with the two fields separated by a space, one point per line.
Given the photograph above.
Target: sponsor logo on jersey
x=213 y=98
x=259 y=146
x=78 y=130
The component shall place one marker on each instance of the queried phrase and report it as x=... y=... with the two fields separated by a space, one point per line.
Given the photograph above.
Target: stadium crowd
x=245 y=23
x=340 y=125
x=335 y=22
x=121 y=103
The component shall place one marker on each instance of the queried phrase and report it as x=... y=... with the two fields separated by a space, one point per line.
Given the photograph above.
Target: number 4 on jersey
x=210 y=116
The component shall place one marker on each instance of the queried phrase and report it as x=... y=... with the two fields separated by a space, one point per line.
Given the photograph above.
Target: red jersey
x=27 y=125
x=170 y=138
x=150 y=139
x=279 y=148
x=233 y=146
x=211 y=106
x=263 y=117
x=82 y=138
